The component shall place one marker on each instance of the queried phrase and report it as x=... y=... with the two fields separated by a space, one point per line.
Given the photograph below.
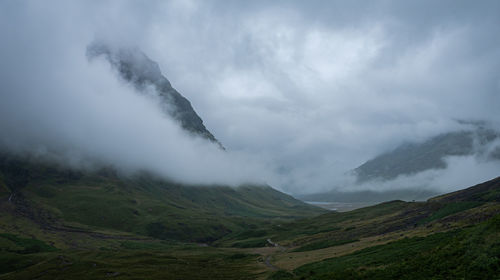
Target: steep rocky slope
x=134 y=67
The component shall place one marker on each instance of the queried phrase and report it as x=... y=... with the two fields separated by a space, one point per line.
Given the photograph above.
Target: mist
x=59 y=105
x=299 y=94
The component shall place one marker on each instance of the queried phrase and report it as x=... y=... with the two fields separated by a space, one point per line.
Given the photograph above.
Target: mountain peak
x=136 y=68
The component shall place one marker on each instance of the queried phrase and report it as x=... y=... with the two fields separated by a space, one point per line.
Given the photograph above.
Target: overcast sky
x=299 y=92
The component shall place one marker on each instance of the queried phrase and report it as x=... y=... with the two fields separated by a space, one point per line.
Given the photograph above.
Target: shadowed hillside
x=143 y=204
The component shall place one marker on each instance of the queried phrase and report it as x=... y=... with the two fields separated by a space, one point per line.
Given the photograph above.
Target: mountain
x=64 y=224
x=57 y=198
x=408 y=159
x=412 y=158
x=134 y=67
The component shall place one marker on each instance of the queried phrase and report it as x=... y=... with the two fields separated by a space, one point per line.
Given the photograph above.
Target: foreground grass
x=470 y=253
x=134 y=260
x=323 y=244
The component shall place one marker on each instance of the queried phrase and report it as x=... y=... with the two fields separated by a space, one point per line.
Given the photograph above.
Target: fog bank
x=299 y=93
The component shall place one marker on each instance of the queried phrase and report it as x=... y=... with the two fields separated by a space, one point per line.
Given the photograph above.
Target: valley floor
x=341 y=206
x=474 y=247
x=454 y=236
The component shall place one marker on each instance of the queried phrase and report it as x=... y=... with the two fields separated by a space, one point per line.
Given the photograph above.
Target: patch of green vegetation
x=239 y=256
x=145 y=245
x=4 y=190
x=45 y=191
x=334 y=222
x=471 y=253
x=18 y=253
x=323 y=244
x=250 y=243
x=311 y=229
x=136 y=264
x=449 y=209
x=492 y=195
x=12 y=261
x=378 y=255
x=251 y=233
x=281 y=275
x=27 y=245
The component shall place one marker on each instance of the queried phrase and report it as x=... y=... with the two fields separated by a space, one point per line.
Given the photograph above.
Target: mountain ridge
x=415 y=157
x=136 y=68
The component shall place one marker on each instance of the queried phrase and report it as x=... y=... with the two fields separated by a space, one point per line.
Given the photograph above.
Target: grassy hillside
x=468 y=253
x=59 y=224
x=59 y=198
x=449 y=237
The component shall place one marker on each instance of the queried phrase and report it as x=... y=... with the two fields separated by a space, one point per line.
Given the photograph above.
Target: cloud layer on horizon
x=298 y=92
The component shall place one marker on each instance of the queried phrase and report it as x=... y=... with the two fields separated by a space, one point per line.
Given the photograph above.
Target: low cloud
x=461 y=172
x=299 y=94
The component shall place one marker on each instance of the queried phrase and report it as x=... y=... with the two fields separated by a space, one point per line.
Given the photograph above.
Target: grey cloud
x=305 y=91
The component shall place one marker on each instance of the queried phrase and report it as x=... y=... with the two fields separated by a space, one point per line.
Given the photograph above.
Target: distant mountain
x=136 y=68
x=412 y=158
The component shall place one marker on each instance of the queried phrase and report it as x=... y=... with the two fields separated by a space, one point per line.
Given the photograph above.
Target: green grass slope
x=58 y=224
x=469 y=253
x=71 y=200
x=454 y=236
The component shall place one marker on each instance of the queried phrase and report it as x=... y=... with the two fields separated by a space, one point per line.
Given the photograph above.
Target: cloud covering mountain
x=135 y=67
x=298 y=92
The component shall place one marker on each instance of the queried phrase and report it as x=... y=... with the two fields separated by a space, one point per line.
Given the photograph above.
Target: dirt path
x=267 y=260
x=281 y=248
